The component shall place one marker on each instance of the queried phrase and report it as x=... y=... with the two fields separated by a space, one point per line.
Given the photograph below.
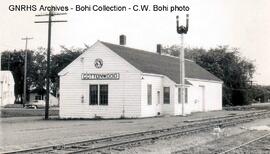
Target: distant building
x=112 y=81
x=7 y=84
x=39 y=94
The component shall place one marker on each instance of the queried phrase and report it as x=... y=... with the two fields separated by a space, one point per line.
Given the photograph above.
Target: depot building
x=113 y=81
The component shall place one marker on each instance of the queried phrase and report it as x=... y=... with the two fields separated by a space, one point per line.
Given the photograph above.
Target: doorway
x=202 y=97
x=158 y=105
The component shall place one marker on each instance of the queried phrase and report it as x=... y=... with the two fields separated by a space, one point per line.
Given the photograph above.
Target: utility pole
x=0 y=62
x=50 y=21
x=182 y=30
x=25 y=68
x=9 y=61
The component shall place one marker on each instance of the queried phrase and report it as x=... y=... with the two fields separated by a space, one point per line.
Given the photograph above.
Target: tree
x=60 y=61
x=234 y=71
x=37 y=69
x=190 y=53
x=260 y=93
x=14 y=61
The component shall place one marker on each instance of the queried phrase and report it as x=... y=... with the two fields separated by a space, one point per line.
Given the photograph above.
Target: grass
x=22 y=112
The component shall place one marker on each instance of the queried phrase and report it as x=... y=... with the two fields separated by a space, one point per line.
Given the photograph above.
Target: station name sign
x=101 y=76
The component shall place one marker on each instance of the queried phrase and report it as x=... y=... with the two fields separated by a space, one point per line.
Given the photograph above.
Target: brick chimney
x=122 y=40
x=159 y=48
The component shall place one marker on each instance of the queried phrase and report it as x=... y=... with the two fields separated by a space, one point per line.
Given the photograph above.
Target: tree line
x=224 y=62
x=235 y=71
x=36 y=68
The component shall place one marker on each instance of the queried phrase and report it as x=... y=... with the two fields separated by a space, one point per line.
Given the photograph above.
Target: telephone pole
x=182 y=30
x=50 y=21
x=0 y=61
x=25 y=69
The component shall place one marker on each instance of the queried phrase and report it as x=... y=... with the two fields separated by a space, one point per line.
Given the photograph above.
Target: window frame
x=179 y=95
x=90 y=94
x=149 y=94
x=166 y=100
x=99 y=95
x=186 y=95
x=39 y=97
x=107 y=99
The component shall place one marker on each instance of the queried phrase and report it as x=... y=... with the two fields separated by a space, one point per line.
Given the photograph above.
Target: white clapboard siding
x=155 y=107
x=127 y=96
x=178 y=106
x=124 y=94
x=194 y=103
x=7 y=85
x=169 y=109
x=211 y=97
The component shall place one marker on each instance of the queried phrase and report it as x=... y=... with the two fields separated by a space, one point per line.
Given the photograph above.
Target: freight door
x=201 y=98
x=158 y=105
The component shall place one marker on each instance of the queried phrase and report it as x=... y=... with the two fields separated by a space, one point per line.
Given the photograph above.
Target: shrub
x=240 y=97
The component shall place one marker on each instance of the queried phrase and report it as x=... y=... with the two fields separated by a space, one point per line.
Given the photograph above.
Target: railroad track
x=238 y=149
x=120 y=142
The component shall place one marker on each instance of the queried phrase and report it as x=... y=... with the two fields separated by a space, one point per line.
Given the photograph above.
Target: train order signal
x=182 y=29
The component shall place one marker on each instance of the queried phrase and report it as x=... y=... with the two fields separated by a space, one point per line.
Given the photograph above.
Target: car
x=36 y=104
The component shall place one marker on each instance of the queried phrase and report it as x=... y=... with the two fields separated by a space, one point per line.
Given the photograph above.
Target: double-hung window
x=93 y=95
x=179 y=95
x=186 y=95
x=98 y=94
x=149 y=94
x=103 y=94
x=166 y=95
x=38 y=97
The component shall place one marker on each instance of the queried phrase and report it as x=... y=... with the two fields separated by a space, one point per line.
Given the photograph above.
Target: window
x=38 y=97
x=149 y=94
x=103 y=94
x=186 y=95
x=166 y=95
x=179 y=95
x=98 y=95
x=93 y=95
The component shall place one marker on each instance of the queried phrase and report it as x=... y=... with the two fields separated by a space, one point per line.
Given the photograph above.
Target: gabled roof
x=149 y=62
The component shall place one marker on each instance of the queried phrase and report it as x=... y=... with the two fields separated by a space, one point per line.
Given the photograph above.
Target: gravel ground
x=205 y=142
x=261 y=146
x=226 y=143
x=27 y=132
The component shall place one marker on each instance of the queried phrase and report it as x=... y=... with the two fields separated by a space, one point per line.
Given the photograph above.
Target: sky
x=244 y=24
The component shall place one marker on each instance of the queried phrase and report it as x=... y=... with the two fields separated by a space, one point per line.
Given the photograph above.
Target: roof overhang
x=203 y=80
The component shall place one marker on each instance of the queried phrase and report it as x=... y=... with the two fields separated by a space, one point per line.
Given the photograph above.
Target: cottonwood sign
x=102 y=76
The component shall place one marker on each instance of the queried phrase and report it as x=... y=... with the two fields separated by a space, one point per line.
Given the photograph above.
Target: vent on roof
x=159 y=48
x=122 y=39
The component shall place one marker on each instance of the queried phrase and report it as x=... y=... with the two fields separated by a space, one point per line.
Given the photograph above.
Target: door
x=158 y=105
x=202 y=103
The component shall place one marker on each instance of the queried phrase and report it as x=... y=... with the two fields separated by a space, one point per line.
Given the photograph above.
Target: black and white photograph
x=135 y=77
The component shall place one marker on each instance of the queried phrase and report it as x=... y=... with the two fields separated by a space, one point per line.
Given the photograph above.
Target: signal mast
x=182 y=30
